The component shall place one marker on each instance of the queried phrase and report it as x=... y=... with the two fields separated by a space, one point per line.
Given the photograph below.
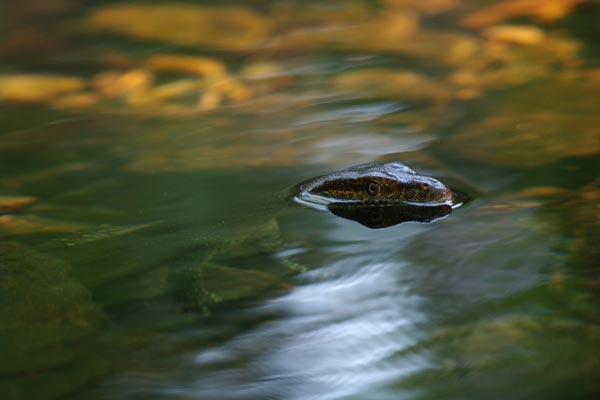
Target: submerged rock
x=519 y=34
x=489 y=357
x=31 y=224
x=541 y=9
x=230 y=28
x=15 y=203
x=426 y=7
x=37 y=88
x=48 y=322
x=583 y=219
x=514 y=57
x=382 y=83
x=201 y=66
x=198 y=287
x=224 y=273
x=534 y=126
x=74 y=101
x=114 y=83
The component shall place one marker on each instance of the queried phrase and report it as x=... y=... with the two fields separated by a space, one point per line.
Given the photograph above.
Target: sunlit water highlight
x=366 y=319
x=336 y=335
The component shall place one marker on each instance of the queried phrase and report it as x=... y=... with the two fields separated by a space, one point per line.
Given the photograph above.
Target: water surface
x=149 y=248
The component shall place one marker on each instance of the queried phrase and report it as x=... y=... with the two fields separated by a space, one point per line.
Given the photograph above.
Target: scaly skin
x=378 y=184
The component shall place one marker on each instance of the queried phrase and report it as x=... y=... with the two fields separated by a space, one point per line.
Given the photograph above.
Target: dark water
x=158 y=255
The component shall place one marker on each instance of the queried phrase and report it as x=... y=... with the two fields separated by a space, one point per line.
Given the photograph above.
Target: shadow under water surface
x=384 y=216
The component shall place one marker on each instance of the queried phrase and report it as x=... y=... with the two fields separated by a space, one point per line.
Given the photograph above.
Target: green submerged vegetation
x=148 y=247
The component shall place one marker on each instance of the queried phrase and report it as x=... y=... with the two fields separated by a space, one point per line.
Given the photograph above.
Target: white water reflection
x=346 y=329
x=364 y=147
x=371 y=316
x=335 y=337
x=351 y=114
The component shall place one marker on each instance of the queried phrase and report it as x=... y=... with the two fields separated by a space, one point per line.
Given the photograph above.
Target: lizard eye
x=374 y=188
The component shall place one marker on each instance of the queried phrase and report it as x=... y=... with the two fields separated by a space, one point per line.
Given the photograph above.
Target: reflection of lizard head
x=382 y=216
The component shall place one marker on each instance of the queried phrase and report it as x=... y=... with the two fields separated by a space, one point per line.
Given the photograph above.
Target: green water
x=161 y=257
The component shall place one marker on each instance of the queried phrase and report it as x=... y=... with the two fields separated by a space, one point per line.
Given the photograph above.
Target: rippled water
x=154 y=252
